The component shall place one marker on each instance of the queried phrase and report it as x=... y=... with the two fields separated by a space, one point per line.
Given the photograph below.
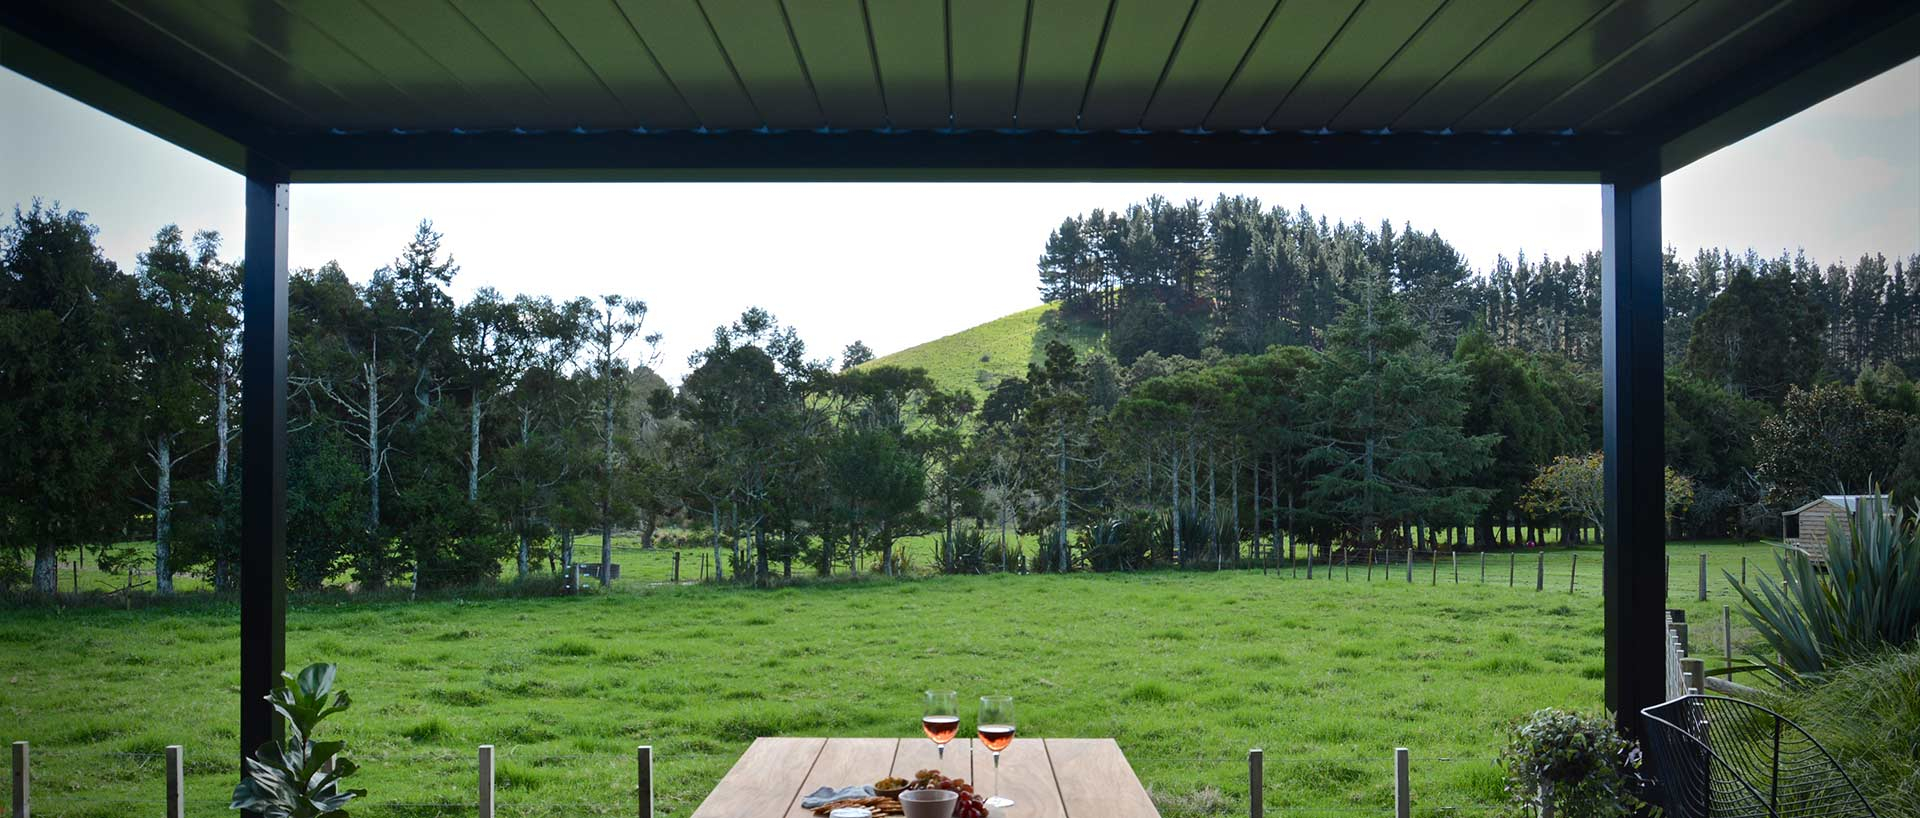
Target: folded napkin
x=827 y=795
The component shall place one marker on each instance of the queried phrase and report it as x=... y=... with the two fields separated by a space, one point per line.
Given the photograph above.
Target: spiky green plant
x=1868 y=600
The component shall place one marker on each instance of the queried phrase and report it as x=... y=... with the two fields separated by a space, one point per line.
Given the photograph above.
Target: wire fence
x=1210 y=784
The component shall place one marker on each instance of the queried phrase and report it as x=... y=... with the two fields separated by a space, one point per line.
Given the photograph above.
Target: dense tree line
x=1266 y=380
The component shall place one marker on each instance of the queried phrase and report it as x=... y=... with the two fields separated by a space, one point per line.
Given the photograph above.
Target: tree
x=1385 y=425
x=618 y=321
x=1508 y=400
x=1759 y=337
x=1577 y=486
x=1826 y=439
x=177 y=326
x=67 y=416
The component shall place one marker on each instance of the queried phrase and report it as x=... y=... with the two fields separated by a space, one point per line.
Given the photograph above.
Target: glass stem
x=996 y=774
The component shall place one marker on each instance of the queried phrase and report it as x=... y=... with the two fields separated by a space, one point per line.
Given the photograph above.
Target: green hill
x=981 y=356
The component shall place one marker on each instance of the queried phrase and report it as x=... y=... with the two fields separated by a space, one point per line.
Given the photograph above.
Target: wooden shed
x=1806 y=527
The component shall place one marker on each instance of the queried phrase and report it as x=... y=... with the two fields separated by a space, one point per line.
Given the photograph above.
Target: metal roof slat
x=832 y=38
x=450 y=38
x=1455 y=33
x=604 y=39
x=1554 y=113
x=1062 y=40
x=321 y=58
x=521 y=32
x=1526 y=38
x=757 y=42
x=910 y=46
x=986 y=38
x=1608 y=34
x=1702 y=64
x=406 y=63
x=1370 y=41
x=1298 y=34
x=1138 y=46
x=228 y=74
x=677 y=33
x=1219 y=39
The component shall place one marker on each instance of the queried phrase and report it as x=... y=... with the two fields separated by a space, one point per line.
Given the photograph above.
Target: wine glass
x=940 y=718
x=996 y=732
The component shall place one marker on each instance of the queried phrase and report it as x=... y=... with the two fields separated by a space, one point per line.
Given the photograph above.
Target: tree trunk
x=46 y=568
x=163 y=515
x=473 y=452
x=760 y=555
x=220 y=432
x=1173 y=510
x=715 y=514
x=1256 y=508
x=521 y=561
x=1213 y=511
x=375 y=577
x=1063 y=499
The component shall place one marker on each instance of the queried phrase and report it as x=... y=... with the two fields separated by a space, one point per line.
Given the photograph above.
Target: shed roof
x=1537 y=90
x=1848 y=502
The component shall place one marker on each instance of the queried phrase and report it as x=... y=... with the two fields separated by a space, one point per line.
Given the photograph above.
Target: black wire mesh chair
x=1717 y=757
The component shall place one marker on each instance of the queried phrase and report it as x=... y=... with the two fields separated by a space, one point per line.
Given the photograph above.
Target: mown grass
x=978 y=357
x=1186 y=670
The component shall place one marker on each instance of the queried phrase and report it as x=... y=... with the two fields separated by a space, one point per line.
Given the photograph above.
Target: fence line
x=487 y=805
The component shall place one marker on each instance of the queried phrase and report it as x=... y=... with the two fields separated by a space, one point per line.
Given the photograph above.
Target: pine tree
x=1385 y=424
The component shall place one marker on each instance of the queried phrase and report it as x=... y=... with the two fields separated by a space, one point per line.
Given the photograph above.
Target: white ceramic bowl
x=929 y=803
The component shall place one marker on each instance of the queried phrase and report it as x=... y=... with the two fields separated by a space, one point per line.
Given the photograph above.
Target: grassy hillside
x=979 y=357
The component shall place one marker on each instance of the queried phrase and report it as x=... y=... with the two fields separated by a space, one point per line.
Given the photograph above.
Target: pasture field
x=1186 y=670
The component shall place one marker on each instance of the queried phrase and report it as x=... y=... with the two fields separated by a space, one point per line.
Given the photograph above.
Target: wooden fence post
x=573 y=578
x=176 y=783
x=1573 y=575
x=1409 y=565
x=1540 y=575
x=1256 y=784
x=486 y=781
x=1483 y=568
x=22 y=781
x=1743 y=570
x=1726 y=636
x=1402 y=794
x=1455 y=556
x=676 y=568
x=1434 y=578
x=1696 y=673
x=1703 y=577
x=1681 y=638
x=1668 y=577
x=645 y=788
x=1510 y=569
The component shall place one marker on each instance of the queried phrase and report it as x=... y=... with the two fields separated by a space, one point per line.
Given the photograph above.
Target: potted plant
x=298 y=777
x=1568 y=765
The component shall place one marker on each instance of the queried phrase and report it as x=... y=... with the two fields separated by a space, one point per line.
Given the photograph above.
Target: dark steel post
x=1633 y=410
x=263 y=453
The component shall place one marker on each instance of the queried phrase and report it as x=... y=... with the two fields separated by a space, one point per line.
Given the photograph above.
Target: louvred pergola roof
x=1614 y=92
x=393 y=90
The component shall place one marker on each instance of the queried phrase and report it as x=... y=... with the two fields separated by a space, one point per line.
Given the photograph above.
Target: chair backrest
x=1717 y=757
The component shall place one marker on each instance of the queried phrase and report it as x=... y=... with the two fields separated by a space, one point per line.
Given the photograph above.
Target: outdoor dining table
x=1046 y=777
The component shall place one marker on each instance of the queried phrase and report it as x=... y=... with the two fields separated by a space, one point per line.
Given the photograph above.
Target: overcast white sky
x=898 y=264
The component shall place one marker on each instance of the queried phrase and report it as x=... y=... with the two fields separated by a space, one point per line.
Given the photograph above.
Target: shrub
x=1867 y=601
x=1568 y=765
x=1867 y=715
x=284 y=779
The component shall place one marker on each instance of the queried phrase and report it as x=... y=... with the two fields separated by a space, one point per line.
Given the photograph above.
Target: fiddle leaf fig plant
x=293 y=778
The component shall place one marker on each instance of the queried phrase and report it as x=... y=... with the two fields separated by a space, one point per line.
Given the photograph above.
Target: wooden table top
x=1046 y=777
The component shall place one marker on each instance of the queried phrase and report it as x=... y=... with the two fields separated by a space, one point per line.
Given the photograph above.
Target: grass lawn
x=980 y=356
x=1186 y=670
